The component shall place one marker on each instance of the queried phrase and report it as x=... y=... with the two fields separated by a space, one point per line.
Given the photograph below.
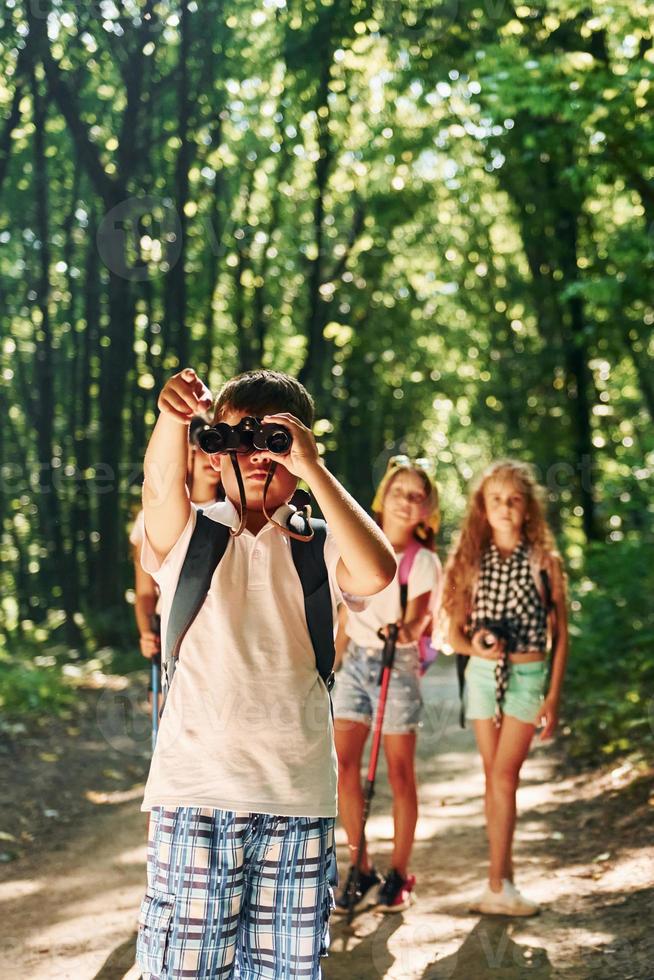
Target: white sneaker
x=507 y=902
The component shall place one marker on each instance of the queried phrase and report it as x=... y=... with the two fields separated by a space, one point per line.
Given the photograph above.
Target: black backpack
x=207 y=546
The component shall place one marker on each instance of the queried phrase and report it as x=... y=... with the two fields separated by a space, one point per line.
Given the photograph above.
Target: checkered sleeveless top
x=506 y=591
x=507 y=602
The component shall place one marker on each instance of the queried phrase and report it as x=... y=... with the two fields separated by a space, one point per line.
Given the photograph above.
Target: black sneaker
x=395 y=895
x=366 y=893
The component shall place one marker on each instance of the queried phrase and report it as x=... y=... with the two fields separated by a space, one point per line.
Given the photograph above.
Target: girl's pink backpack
x=428 y=653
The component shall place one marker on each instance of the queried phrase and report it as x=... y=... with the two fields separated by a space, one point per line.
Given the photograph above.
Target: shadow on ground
x=364 y=957
x=489 y=953
x=119 y=961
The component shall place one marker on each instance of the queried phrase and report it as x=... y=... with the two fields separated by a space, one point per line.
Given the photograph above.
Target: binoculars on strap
x=247 y=436
x=498 y=630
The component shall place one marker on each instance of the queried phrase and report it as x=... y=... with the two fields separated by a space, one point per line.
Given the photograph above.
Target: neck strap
x=304 y=512
x=241 y=493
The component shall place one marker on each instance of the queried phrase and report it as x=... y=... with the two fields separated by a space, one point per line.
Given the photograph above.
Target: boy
x=242 y=785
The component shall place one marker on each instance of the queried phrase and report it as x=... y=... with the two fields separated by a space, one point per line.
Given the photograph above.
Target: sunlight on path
x=79 y=903
x=72 y=915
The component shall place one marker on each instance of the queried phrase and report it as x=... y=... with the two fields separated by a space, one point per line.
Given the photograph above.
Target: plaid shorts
x=238 y=895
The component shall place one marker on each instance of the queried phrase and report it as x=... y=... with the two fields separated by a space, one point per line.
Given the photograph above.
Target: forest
x=440 y=217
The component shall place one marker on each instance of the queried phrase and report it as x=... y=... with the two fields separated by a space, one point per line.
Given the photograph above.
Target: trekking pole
x=155 y=700
x=388 y=658
x=155 y=667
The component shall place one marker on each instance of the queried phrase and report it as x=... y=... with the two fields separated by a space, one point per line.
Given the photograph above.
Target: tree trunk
x=60 y=569
x=316 y=365
x=81 y=510
x=176 y=298
x=578 y=370
x=116 y=360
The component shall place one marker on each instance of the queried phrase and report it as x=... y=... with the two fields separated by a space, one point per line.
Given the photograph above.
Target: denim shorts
x=356 y=690
x=523 y=697
x=235 y=895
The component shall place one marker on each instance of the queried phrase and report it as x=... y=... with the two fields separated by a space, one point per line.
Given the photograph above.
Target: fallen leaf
x=48 y=757
x=112 y=774
x=94 y=797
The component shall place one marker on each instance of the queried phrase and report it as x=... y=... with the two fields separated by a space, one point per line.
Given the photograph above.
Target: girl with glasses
x=406 y=508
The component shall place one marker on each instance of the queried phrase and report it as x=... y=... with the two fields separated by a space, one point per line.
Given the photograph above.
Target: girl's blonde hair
x=475 y=534
x=426 y=530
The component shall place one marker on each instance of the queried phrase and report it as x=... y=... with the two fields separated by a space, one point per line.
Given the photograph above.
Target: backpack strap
x=461 y=664
x=540 y=562
x=546 y=587
x=550 y=613
x=537 y=563
x=207 y=546
x=404 y=572
x=309 y=561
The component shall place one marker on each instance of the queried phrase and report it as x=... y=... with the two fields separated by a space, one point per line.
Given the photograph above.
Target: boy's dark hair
x=264 y=392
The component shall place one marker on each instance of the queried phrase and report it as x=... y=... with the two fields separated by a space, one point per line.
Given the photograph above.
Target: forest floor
x=72 y=839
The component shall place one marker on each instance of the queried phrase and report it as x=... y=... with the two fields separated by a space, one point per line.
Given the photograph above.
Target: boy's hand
x=303 y=457
x=184 y=395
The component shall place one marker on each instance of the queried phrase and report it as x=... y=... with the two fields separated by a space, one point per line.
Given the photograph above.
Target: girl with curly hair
x=504 y=601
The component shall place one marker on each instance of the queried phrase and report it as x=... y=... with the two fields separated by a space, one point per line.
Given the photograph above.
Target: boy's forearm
x=166 y=501
x=365 y=552
x=164 y=466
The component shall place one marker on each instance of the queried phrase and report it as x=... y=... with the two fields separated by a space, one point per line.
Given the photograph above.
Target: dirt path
x=584 y=849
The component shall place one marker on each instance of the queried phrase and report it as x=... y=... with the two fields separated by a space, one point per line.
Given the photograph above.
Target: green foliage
x=30 y=687
x=43 y=678
x=609 y=700
x=440 y=216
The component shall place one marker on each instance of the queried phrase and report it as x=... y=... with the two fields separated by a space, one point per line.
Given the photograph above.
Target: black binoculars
x=245 y=437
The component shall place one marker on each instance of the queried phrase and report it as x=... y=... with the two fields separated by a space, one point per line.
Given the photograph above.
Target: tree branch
x=70 y=109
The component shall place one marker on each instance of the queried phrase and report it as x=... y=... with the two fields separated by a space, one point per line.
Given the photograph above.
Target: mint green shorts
x=524 y=695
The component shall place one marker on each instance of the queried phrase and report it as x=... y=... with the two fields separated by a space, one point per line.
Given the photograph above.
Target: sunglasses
x=402 y=460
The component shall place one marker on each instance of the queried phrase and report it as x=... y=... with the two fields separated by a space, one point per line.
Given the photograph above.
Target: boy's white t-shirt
x=136 y=536
x=137 y=533
x=247 y=724
x=386 y=607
